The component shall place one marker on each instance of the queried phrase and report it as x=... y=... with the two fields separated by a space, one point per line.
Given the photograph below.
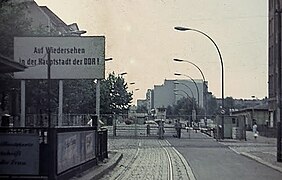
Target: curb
x=250 y=156
x=101 y=169
x=261 y=161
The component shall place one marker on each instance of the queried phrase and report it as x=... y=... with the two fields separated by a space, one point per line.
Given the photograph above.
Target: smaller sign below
x=19 y=154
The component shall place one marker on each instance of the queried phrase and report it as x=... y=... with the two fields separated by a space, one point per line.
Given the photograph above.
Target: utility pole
x=49 y=87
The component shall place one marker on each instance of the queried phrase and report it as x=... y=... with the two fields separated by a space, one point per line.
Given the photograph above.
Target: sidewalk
x=102 y=168
x=262 y=149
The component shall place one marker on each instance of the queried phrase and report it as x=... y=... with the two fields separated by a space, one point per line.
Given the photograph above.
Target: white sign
x=19 y=154
x=70 y=57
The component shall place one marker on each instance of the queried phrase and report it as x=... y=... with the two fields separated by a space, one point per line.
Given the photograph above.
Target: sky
x=141 y=39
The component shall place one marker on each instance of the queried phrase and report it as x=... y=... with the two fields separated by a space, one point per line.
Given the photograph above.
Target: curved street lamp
x=176 y=83
x=123 y=73
x=222 y=69
x=204 y=79
x=109 y=59
x=182 y=60
x=192 y=102
x=179 y=74
x=189 y=97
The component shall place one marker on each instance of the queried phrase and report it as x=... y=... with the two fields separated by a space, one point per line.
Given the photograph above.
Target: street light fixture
x=204 y=79
x=176 y=83
x=109 y=59
x=179 y=74
x=123 y=73
x=179 y=28
x=182 y=60
x=189 y=97
x=73 y=33
x=192 y=102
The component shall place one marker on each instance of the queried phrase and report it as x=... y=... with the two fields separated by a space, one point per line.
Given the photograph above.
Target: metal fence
x=41 y=120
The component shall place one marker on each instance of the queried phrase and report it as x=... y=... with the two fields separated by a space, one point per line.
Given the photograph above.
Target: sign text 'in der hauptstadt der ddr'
x=70 y=57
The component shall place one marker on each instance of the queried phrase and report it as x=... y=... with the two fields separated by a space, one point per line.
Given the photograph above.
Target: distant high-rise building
x=150 y=100
x=165 y=95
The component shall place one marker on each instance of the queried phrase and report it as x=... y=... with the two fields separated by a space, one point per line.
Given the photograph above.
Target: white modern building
x=173 y=90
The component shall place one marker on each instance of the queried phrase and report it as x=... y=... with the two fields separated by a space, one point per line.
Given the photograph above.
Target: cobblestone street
x=147 y=159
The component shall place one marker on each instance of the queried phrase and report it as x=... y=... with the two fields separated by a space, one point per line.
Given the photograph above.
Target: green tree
x=229 y=104
x=13 y=23
x=79 y=96
x=212 y=106
x=183 y=107
x=114 y=95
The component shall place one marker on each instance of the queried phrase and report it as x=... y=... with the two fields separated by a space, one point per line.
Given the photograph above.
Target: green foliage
x=114 y=95
x=13 y=23
x=79 y=96
x=212 y=106
x=229 y=104
x=183 y=107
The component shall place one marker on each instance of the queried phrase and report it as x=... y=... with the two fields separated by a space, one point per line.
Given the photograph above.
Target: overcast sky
x=141 y=39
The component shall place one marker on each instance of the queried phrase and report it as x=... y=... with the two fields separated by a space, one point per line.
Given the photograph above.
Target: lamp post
x=204 y=79
x=222 y=70
x=189 y=97
x=182 y=60
x=278 y=12
x=176 y=83
x=194 y=112
x=179 y=74
x=193 y=116
x=186 y=97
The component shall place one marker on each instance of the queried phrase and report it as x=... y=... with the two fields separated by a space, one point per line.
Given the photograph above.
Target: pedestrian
x=161 y=129
x=255 y=131
x=148 y=130
x=178 y=128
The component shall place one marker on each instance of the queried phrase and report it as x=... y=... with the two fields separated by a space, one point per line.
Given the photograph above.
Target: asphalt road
x=210 y=160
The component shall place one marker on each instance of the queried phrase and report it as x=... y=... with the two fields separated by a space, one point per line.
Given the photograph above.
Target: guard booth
x=234 y=127
x=160 y=113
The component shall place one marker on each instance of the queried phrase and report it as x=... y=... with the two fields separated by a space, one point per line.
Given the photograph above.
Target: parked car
x=128 y=121
x=151 y=122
